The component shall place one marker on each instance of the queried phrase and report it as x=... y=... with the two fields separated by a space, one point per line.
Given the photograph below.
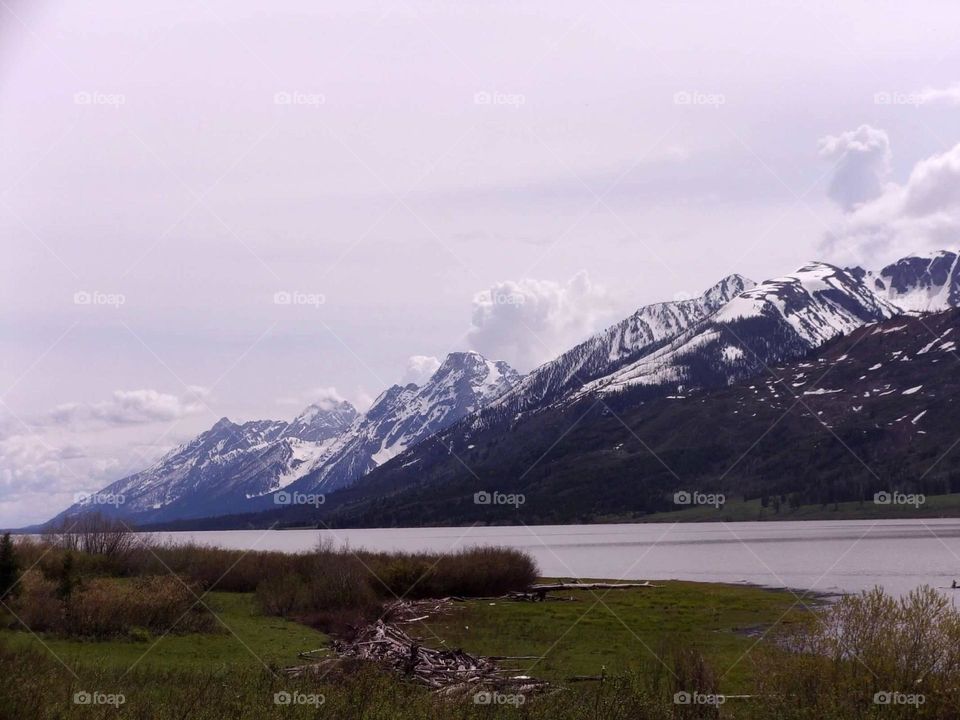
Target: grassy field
x=935 y=506
x=245 y=638
x=616 y=629
x=621 y=629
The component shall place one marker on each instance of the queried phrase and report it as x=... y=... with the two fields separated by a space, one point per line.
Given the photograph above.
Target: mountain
x=417 y=437
x=777 y=320
x=221 y=469
x=239 y=468
x=875 y=410
x=919 y=283
x=708 y=347
x=404 y=415
x=647 y=329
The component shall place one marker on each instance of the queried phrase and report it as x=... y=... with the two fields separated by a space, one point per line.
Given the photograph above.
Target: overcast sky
x=232 y=208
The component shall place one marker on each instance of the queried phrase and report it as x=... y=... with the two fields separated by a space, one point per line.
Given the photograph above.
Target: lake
x=821 y=556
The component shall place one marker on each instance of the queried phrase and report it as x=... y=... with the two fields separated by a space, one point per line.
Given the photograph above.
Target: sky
x=237 y=208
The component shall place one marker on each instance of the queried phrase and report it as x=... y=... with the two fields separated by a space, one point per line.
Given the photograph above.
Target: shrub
x=865 y=646
x=102 y=608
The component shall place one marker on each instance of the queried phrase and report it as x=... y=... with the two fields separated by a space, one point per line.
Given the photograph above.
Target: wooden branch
x=548 y=587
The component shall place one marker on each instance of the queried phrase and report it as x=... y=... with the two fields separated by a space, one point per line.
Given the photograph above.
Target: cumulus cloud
x=130 y=407
x=420 y=368
x=921 y=214
x=862 y=158
x=527 y=322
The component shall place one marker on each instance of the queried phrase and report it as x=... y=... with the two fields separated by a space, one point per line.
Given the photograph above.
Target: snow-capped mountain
x=234 y=468
x=777 y=320
x=636 y=336
x=404 y=415
x=919 y=283
x=220 y=469
x=735 y=330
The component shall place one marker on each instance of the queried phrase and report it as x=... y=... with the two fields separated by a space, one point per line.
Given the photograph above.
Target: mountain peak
x=322 y=420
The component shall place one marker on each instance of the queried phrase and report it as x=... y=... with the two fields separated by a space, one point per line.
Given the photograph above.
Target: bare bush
x=94 y=534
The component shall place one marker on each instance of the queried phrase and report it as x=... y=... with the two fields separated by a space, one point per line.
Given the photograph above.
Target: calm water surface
x=828 y=556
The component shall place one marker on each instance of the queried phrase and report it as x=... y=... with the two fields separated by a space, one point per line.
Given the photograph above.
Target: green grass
x=245 y=638
x=947 y=506
x=619 y=629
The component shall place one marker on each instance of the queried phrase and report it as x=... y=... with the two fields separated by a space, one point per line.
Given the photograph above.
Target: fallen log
x=549 y=587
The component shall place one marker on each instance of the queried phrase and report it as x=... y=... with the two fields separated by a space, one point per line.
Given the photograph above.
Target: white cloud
x=420 y=368
x=921 y=214
x=949 y=95
x=862 y=158
x=325 y=398
x=130 y=407
x=527 y=322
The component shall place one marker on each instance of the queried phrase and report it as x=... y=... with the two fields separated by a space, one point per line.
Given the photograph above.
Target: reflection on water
x=823 y=556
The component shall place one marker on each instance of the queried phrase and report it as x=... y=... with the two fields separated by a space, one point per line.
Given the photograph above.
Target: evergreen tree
x=67 y=581
x=9 y=567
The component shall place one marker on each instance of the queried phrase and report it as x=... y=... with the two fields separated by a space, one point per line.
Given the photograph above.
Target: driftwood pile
x=448 y=670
